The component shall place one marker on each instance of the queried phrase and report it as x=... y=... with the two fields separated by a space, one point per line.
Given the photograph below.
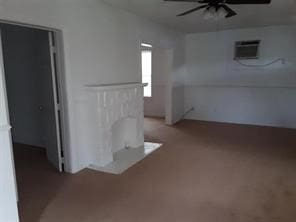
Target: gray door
x=52 y=108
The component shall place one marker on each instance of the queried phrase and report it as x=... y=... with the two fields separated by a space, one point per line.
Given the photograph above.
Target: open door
x=32 y=88
x=53 y=113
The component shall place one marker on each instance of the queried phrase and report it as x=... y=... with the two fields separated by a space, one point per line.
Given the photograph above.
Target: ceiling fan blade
x=241 y=2
x=193 y=10
x=181 y=0
x=210 y=1
x=232 y=2
x=229 y=11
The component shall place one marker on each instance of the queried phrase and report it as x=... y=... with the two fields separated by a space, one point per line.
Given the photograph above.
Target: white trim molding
x=5 y=128
x=120 y=86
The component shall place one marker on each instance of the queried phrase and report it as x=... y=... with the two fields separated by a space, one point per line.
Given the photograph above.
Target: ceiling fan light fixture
x=207 y=14
x=213 y=11
x=221 y=13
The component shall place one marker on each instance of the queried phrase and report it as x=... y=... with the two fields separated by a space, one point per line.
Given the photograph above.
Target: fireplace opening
x=124 y=134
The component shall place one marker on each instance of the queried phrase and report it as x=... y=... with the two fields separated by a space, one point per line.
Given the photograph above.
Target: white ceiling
x=279 y=12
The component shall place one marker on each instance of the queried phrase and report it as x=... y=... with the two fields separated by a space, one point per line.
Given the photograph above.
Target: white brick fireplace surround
x=119 y=132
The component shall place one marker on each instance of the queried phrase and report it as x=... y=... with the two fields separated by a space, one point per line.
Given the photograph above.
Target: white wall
x=176 y=83
x=221 y=90
x=102 y=45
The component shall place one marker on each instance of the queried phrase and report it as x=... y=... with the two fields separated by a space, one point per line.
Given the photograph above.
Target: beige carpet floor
x=205 y=172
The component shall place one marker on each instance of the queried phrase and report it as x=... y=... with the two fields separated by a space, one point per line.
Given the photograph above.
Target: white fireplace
x=119 y=121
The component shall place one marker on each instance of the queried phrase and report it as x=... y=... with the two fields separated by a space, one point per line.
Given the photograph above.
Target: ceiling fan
x=218 y=9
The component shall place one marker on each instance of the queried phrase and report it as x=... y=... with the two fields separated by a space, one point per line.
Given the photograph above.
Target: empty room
x=147 y=111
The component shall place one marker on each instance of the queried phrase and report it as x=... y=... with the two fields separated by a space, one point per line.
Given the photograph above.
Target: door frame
x=59 y=86
x=168 y=86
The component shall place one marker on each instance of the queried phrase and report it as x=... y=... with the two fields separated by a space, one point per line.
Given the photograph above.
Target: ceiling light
x=207 y=14
x=210 y=13
x=215 y=12
x=221 y=12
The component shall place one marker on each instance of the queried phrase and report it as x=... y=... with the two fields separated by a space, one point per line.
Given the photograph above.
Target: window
x=146 y=54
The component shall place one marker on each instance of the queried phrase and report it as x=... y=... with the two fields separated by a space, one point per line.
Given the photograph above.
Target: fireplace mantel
x=114 y=107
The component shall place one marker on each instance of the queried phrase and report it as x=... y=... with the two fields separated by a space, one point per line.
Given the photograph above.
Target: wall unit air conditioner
x=247 y=49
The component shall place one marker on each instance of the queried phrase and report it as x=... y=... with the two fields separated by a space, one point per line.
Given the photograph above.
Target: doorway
x=33 y=87
x=156 y=68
